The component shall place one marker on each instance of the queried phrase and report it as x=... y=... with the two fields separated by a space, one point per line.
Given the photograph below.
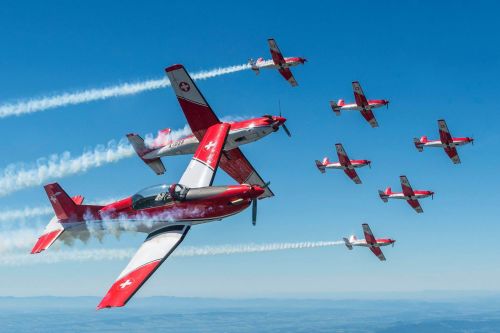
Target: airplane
x=411 y=196
x=279 y=62
x=165 y=212
x=362 y=104
x=370 y=241
x=344 y=163
x=200 y=116
x=446 y=141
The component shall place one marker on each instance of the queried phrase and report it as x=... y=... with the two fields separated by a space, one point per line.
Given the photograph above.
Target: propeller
x=254 y=205
x=370 y=164
x=472 y=140
x=387 y=105
x=283 y=125
x=432 y=196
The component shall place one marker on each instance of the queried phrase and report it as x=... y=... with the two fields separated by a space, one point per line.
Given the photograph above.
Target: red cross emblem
x=184 y=86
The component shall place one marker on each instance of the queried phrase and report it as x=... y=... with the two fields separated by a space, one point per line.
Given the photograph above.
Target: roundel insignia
x=184 y=86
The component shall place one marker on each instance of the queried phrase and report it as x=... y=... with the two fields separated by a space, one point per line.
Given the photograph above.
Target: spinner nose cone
x=256 y=191
x=281 y=120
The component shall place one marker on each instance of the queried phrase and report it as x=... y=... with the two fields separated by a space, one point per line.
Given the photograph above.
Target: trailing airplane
x=446 y=141
x=370 y=241
x=362 y=104
x=165 y=212
x=200 y=116
x=411 y=196
x=278 y=61
x=344 y=164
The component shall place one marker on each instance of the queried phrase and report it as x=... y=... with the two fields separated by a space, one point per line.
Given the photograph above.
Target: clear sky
x=431 y=60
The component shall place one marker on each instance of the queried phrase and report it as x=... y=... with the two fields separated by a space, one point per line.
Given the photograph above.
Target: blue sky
x=430 y=60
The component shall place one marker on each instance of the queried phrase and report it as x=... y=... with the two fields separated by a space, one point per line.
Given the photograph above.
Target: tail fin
x=348 y=243
x=418 y=144
x=382 y=196
x=353 y=238
x=335 y=108
x=253 y=66
x=388 y=191
x=424 y=139
x=141 y=149
x=341 y=102
x=66 y=208
x=320 y=166
x=326 y=161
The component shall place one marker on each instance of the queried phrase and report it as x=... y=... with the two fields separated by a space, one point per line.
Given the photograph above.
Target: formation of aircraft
x=370 y=242
x=362 y=104
x=279 y=62
x=446 y=141
x=411 y=196
x=344 y=163
x=167 y=212
x=199 y=116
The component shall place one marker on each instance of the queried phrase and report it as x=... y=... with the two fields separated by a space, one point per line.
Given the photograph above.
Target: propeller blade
x=286 y=130
x=370 y=165
x=254 y=211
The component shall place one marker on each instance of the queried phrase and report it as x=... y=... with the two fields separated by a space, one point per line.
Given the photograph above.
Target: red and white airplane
x=344 y=164
x=446 y=141
x=370 y=241
x=281 y=63
x=164 y=212
x=200 y=116
x=411 y=196
x=362 y=104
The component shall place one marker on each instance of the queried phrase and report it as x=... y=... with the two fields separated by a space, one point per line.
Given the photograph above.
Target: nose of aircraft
x=281 y=120
x=256 y=191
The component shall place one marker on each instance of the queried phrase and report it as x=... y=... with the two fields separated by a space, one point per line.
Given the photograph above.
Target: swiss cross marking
x=53 y=197
x=184 y=86
x=125 y=284
x=210 y=145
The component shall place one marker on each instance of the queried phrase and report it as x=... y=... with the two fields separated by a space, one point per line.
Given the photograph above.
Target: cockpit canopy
x=158 y=195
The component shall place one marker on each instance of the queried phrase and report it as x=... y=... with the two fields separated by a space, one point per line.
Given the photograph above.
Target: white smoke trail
x=17 y=176
x=32 y=212
x=45 y=103
x=17 y=259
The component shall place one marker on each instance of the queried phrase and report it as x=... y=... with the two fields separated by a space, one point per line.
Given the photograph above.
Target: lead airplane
x=344 y=164
x=362 y=104
x=446 y=141
x=279 y=62
x=164 y=212
x=370 y=242
x=411 y=196
x=200 y=116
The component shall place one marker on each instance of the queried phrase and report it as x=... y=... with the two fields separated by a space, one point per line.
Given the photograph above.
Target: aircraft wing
x=359 y=96
x=287 y=74
x=199 y=114
x=444 y=133
x=351 y=173
x=201 y=170
x=368 y=115
x=370 y=239
x=239 y=168
x=278 y=58
x=405 y=185
x=453 y=154
x=415 y=205
x=343 y=158
x=378 y=252
x=153 y=252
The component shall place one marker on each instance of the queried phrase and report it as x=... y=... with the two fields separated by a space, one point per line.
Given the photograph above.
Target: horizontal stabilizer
x=320 y=166
x=347 y=243
x=418 y=144
x=382 y=195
